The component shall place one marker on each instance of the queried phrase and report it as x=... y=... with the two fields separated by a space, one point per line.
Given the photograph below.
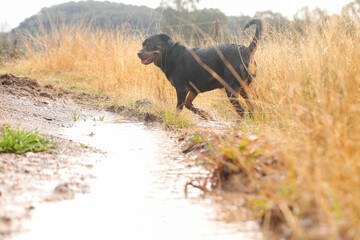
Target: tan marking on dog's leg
x=189 y=105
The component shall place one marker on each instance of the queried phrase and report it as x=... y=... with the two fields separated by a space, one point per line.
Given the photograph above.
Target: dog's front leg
x=181 y=96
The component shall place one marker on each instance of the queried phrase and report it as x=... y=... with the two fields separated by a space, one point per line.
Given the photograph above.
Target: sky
x=15 y=11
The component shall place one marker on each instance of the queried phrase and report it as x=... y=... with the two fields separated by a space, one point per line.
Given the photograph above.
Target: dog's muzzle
x=146 y=60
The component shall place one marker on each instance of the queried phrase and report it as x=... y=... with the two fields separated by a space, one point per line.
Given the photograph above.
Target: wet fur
x=189 y=74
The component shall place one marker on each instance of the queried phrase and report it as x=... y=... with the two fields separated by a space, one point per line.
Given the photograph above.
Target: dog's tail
x=260 y=30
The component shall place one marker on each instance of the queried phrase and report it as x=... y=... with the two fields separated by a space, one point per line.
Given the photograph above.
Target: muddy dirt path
x=134 y=176
x=54 y=175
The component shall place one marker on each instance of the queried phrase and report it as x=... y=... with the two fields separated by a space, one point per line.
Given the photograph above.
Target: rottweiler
x=195 y=70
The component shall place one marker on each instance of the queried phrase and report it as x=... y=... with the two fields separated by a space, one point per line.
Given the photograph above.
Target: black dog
x=195 y=70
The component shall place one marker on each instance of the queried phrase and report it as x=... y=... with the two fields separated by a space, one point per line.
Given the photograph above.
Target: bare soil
x=53 y=175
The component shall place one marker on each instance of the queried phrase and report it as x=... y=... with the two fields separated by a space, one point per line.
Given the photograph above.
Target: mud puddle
x=138 y=193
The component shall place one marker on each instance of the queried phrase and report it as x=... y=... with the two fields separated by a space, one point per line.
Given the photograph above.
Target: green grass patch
x=174 y=120
x=19 y=141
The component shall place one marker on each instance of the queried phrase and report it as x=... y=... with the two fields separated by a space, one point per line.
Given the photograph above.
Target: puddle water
x=138 y=193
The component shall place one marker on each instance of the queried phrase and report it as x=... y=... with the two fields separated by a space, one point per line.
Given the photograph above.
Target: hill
x=95 y=13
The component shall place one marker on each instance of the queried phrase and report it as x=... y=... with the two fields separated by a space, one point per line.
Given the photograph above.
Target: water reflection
x=138 y=193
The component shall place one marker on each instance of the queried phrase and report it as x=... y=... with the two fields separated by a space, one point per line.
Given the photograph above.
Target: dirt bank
x=53 y=175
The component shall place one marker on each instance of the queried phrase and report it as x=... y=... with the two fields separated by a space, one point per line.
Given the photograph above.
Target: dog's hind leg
x=189 y=105
x=236 y=103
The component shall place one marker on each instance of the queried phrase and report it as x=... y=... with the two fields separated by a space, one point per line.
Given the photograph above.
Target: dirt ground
x=53 y=175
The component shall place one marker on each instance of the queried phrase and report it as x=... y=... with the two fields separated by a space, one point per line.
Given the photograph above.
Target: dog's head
x=153 y=48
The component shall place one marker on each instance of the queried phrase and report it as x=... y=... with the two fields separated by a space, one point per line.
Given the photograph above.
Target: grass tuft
x=75 y=117
x=20 y=141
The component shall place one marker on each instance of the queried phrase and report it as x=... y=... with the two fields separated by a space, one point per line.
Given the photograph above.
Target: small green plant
x=197 y=138
x=100 y=118
x=20 y=141
x=76 y=117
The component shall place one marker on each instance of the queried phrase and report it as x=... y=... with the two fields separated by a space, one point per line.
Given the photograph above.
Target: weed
x=20 y=141
x=81 y=145
x=100 y=118
x=196 y=138
x=76 y=117
x=173 y=120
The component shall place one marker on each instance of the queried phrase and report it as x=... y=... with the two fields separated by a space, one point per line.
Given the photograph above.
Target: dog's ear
x=165 y=38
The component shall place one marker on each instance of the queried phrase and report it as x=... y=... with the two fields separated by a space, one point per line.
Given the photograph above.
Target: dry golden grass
x=307 y=97
x=308 y=92
x=106 y=61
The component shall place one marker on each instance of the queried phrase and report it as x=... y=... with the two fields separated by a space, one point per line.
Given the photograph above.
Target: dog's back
x=202 y=78
x=221 y=58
